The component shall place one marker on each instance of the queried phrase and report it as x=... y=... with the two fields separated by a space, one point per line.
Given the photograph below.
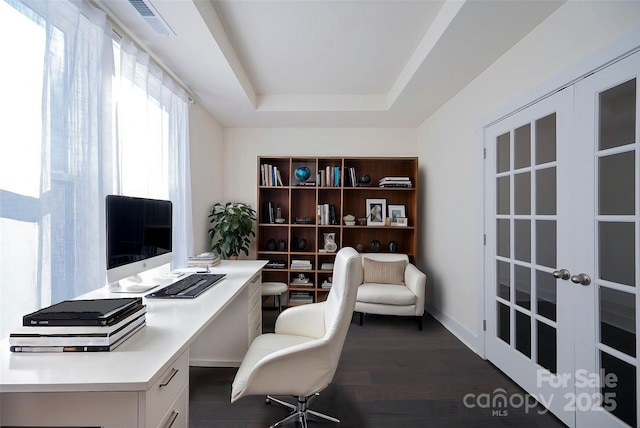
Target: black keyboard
x=189 y=287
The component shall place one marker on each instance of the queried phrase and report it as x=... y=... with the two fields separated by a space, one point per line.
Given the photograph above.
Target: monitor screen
x=139 y=235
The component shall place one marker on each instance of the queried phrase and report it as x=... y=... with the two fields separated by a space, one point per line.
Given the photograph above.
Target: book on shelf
x=395 y=178
x=331 y=177
x=79 y=348
x=300 y=264
x=405 y=185
x=326 y=266
x=84 y=312
x=296 y=284
x=326 y=214
x=403 y=181
x=300 y=297
x=275 y=265
x=350 y=179
x=270 y=175
x=326 y=284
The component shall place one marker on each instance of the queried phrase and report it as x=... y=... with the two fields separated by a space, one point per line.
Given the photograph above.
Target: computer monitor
x=139 y=238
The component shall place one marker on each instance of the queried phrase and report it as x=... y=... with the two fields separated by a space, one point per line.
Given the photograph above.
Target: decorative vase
x=359 y=247
x=271 y=244
x=302 y=173
x=330 y=245
x=375 y=245
x=302 y=243
x=393 y=247
x=365 y=179
x=282 y=245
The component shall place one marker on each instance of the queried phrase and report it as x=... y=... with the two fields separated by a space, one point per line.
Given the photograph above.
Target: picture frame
x=396 y=211
x=402 y=221
x=376 y=209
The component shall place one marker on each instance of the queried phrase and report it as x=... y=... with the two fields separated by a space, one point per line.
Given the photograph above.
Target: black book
x=269 y=216
x=332 y=214
x=100 y=312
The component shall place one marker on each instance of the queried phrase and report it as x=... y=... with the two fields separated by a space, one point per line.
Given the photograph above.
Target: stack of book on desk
x=98 y=325
x=204 y=260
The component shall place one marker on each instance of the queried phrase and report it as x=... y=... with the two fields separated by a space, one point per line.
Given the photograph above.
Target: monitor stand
x=133 y=284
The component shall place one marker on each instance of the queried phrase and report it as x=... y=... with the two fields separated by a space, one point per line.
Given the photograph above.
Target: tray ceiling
x=356 y=63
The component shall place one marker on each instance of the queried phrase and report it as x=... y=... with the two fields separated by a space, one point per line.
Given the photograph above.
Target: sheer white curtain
x=152 y=140
x=51 y=144
x=78 y=123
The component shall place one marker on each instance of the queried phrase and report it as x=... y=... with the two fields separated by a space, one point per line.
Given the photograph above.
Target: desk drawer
x=255 y=321
x=165 y=390
x=255 y=296
x=178 y=414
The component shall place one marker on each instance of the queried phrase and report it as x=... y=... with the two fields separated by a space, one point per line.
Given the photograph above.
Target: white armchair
x=390 y=285
x=301 y=357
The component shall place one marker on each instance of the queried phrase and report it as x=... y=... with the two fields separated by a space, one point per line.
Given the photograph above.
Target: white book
x=77 y=339
x=78 y=348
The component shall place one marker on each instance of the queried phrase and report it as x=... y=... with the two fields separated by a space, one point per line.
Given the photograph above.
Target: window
x=74 y=130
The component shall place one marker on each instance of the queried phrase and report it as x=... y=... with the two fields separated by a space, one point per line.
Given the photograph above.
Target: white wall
x=207 y=171
x=449 y=149
x=242 y=146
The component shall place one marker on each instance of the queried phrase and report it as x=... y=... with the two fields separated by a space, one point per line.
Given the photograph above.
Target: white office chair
x=301 y=357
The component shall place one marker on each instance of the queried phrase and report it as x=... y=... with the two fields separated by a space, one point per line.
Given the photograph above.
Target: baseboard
x=472 y=341
x=213 y=363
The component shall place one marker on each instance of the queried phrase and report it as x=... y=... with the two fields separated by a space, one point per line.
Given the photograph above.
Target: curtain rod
x=118 y=29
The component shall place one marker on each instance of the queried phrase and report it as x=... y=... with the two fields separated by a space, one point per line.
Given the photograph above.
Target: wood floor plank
x=390 y=375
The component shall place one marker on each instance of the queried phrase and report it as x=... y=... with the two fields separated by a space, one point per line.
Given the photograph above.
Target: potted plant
x=233 y=227
x=349 y=219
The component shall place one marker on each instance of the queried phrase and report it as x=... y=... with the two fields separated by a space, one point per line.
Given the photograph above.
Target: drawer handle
x=167 y=380
x=174 y=415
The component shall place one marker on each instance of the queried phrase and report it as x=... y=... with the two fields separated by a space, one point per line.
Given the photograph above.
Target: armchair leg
x=420 y=322
x=361 y=317
x=299 y=412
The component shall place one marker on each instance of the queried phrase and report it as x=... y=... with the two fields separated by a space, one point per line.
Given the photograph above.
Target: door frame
x=610 y=54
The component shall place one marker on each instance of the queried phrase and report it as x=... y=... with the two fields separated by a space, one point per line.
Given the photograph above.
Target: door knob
x=581 y=278
x=562 y=274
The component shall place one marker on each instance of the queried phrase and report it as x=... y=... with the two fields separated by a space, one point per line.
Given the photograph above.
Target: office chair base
x=300 y=412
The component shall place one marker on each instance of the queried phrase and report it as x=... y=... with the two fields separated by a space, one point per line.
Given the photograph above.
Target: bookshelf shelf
x=336 y=191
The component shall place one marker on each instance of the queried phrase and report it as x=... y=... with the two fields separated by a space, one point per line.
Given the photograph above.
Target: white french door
x=562 y=218
x=529 y=315
x=608 y=242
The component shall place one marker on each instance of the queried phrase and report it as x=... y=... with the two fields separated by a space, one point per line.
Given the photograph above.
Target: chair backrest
x=385 y=257
x=341 y=300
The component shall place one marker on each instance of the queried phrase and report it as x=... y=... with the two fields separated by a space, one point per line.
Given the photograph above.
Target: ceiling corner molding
x=213 y=22
x=447 y=14
x=322 y=103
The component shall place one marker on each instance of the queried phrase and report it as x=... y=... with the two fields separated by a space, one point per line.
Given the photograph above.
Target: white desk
x=143 y=382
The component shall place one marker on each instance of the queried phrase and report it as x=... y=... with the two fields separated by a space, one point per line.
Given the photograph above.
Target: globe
x=302 y=173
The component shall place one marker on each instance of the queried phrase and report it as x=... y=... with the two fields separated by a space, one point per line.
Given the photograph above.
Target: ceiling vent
x=152 y=17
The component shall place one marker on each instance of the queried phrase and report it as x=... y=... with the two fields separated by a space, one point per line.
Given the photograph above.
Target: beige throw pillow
x=384 y=272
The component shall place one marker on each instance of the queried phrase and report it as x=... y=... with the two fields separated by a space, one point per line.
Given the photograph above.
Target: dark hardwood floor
x=390 y=375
